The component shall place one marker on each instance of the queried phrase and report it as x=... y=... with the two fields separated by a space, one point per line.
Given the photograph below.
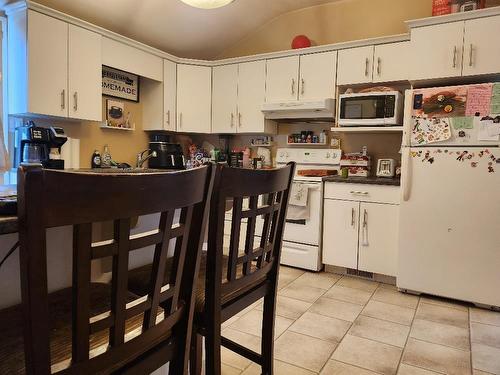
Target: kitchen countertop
x=8 y=224
x=364 y=180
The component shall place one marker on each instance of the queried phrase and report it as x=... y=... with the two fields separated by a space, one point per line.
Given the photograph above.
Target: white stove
x=302 y=238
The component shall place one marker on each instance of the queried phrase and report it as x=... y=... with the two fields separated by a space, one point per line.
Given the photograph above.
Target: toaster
x=386 y=167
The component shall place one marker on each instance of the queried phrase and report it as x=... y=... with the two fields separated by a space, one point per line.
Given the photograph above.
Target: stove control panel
x=308 y=156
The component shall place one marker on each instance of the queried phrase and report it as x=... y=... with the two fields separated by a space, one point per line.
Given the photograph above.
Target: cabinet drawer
x=362 y=192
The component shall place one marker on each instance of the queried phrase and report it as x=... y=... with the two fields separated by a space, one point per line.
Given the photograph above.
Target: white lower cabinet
x=340 y=233
x=378 y=239
x=361 y=235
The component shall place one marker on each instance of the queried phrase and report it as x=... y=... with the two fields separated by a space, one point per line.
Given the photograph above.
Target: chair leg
x=213 y=350
x=267 y=343
x=196 y=354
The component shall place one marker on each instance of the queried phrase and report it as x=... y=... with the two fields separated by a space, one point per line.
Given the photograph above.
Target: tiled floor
x=329 y=324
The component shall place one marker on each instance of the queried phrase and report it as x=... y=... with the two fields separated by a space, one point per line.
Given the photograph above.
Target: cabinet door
x=251 y=96
x=224 y=98
x=378 y=238
x=194 y=98
x=85 y=74
x=355 y=65
x=169 y=95
x=340 y=233
x=481 y=53
x=47 y=65
x=390 y=62
x=436 y=51
x=318 y=73
x=282 y=79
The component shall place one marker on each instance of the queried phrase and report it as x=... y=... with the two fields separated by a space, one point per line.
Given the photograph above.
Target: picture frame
x=117 y=83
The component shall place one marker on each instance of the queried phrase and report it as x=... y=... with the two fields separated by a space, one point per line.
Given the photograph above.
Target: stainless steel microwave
x=381 y=108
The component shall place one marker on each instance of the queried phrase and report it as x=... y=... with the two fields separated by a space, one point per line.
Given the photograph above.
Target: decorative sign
x=120 y=84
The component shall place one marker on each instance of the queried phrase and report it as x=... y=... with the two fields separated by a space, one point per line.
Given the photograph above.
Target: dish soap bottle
x=106 y=158
x=96 y=160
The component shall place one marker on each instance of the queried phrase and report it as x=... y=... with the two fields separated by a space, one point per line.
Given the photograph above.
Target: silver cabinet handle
x=352 y=217
x=168 y=117
x=63 y=99
x=454 y=56
x=239 y=119
x=379 y=63
x=471 y=51
x=232 y=119
x=293 y=86
x=302 y=86
x=365 y=228
x=359 y=192
x=367 y=62
x=180 y=119
x=75 y=99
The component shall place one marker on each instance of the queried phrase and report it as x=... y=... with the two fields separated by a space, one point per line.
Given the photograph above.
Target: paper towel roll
x=75 y=153
x=66 y=153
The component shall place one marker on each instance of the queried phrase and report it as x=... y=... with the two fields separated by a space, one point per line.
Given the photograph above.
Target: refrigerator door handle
x=406 y=173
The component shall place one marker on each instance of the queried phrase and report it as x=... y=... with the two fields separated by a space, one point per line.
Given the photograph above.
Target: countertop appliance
x=32 y=145
x=302 y=238
x=168 y=156
x=380 y=108
x=386 y=167
x=449 y=237
x=319 y=109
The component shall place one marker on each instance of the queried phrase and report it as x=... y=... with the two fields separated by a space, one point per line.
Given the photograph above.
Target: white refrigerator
x=449 y=233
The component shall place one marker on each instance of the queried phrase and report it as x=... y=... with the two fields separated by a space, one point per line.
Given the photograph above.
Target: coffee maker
x=168 y=155
x=33 y=144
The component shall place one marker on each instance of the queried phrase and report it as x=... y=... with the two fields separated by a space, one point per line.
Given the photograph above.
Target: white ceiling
x=174 y=27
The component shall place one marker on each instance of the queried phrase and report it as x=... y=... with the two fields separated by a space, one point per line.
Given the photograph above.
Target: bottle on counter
x=322 y=137
x=96 y=160
x=106 y=159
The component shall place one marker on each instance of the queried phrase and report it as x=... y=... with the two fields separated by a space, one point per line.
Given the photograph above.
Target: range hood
x=318 y=109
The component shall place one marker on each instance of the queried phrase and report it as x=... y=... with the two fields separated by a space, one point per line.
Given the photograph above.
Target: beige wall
x=124 y=145
x=335 y=22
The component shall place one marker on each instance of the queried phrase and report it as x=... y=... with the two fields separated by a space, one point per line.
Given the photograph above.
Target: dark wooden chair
x=229 y=283
x=94 y=328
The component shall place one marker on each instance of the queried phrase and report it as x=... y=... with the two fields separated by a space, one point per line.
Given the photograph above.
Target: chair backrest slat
x=119 y=282
x=82 y=237
x=234 y=242
x=158 y=269
x=54 y=198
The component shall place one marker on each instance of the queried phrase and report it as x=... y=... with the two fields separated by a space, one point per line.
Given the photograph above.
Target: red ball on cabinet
x=301 y=41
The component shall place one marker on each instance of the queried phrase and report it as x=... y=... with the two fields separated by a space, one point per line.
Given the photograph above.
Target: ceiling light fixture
x=207 y=4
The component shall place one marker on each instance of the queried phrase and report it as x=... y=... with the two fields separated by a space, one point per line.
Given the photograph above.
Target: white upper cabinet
x=282 y=79
x=47 y=65
x=239 y=91
x=85 y=74
x=318 y=74
x=355 y=65
x=251 y=96
x=224 y=98
x=436 y=51
x=194 y=98
x=169 y=95
x=54 y=68
x=130 y=59
x=481 y=46
x=390 y=62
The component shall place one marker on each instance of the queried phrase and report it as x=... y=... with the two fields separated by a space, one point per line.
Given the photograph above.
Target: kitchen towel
x=298 y=194
x=298 y=209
